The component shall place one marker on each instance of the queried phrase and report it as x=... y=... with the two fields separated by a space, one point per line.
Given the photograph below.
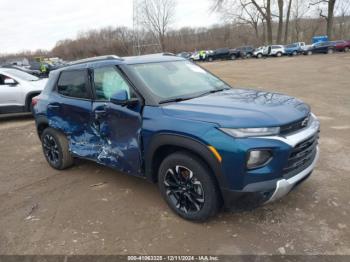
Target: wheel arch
x=29 y=97
x=162 y=145
x=41 y=124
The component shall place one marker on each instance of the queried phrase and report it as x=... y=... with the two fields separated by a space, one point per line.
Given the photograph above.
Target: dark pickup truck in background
x=224 y=54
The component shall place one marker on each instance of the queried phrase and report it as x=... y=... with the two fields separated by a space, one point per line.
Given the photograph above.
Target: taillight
x=35 y=100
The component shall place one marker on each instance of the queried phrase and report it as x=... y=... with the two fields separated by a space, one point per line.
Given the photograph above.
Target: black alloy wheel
x=56 y=149
x=189 y=187
x=51 y=149
x=183 y=189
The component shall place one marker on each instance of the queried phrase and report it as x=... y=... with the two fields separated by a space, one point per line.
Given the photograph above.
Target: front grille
x=301 y=156
x=295 y=126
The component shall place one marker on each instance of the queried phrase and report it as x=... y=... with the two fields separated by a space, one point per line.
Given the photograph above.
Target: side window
x=4 y=79
x=73 y=84
x=108 y=81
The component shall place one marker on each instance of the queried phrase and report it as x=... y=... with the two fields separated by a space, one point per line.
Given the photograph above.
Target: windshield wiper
x=176 y=99
x=215 y=91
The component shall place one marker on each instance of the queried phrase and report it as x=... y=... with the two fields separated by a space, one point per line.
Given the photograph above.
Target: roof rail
x=168 y=54
x=95 y=59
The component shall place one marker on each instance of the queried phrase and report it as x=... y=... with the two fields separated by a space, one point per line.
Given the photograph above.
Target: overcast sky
x=33 y=24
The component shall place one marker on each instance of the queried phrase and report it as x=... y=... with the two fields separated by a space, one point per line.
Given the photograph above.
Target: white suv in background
x=274 y=50
x=271 y=50
x=17 y=89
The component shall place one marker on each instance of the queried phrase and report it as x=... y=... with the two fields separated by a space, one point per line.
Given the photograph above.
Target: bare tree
x=343 y=12
x=286 y=30
x=157 y=16
x=280 y=20
x=263 y=7
x=240 y=12
x=330 y=13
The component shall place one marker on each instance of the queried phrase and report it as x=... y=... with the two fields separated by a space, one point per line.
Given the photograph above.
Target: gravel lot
x=90 y=209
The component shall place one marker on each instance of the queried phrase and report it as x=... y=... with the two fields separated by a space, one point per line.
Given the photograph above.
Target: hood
x=241 y=108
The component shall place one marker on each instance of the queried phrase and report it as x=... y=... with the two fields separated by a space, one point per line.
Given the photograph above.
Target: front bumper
x=284 y=186
x=267 y=191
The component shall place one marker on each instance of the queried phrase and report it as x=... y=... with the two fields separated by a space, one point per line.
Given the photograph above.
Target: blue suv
x=165 y=119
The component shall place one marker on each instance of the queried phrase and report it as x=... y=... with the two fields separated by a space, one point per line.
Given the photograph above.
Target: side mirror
x=122 y=98
x=10 y=81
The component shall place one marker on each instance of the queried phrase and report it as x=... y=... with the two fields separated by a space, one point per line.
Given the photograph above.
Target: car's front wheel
x=188 y=187
x=56 y=149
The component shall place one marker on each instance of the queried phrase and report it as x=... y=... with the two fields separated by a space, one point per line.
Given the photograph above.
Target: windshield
x=21 y=75
x=177 y=80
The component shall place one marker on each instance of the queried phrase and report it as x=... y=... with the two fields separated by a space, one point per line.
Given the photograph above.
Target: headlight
x=258 y=158
x=248 y=132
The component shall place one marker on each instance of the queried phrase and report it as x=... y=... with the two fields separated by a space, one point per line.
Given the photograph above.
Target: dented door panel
x=119 y=131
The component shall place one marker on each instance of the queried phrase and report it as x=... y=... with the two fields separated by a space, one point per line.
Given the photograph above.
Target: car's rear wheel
x=309 y=52
x=188 y=187
x=56 y=149
x=346 y=49
x=233 y=57
x=294 y=53
x=279 y=54
x=210 y=59
x=259 y=56
x=330 y=51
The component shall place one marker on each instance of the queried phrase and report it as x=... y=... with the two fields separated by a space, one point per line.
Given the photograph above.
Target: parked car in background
x=292 y=49
x=165 y=119
x=296 y=48
x=259 y=52
x=341 y=45
x=223 y=54
x=246 y=51
x=17 y=89
x=186 y=55
x=321 y=47
x=36 y=73
x=274 y=50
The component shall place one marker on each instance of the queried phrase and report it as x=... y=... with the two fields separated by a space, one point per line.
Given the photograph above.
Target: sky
x=34 y=24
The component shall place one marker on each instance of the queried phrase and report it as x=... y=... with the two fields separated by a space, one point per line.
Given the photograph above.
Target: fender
x=41 y=120
x=187 y=143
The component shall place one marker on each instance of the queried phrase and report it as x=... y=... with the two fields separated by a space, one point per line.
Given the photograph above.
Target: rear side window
x=73 y=84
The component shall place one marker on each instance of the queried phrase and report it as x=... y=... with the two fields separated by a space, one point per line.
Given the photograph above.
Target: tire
x=233 y=57
x=295 y=53
x=249 y=55
x=56 y=149
x=346 y=49
x=259 y=56
x=210 y=59
x=172 y=177
x=279 y=54
x=309 y=53
x=330 y=51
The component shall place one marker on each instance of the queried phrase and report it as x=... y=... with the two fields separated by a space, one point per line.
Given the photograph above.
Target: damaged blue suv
x=165 y=119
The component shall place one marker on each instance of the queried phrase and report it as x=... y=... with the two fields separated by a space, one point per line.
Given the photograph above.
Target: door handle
x=100 y=111
x=53 y=105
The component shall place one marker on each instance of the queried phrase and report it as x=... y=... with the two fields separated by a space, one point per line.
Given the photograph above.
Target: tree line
x=244 y=22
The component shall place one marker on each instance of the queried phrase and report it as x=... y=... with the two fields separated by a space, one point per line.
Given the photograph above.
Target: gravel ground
x=90 y=209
